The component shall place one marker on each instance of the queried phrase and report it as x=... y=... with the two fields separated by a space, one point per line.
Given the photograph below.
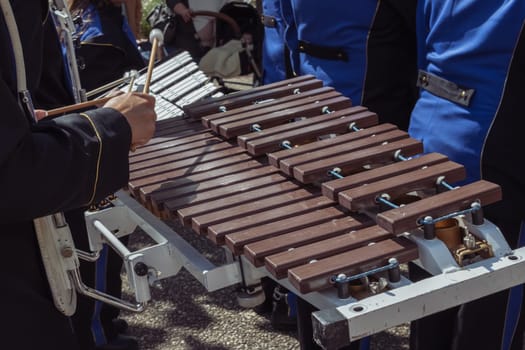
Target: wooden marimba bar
x=223 y=172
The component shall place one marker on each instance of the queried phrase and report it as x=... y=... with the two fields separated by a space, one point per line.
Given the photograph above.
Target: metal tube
x=106 y=298
x=111 y=239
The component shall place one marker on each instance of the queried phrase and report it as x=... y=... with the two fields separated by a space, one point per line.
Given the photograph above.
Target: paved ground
x=183 y=315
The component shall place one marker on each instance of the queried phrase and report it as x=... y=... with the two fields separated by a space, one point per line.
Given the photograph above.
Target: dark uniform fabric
x=275 y=53
x=185 y=34
x=366 y=51
x=107 y=47
x=44 y=168
x=53 y=90
x=485 y=135
x=108 y=50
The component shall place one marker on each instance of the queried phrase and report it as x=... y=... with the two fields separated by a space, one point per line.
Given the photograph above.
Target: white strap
x=16 y=44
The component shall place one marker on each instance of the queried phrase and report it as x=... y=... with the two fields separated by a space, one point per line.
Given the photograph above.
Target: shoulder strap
x=24 y=98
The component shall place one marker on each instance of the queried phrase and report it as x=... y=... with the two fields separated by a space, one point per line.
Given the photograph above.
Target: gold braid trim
x=98 y=158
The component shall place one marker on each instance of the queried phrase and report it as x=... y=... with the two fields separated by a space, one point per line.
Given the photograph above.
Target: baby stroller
x=238 y=44
x=229 y=45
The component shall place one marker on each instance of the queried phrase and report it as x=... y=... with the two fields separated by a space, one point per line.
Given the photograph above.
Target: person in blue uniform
x=366 y=50
x=472 y=61
x=275 y=52
x=54 y=165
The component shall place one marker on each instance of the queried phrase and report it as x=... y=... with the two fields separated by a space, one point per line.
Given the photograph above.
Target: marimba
x=176 y=82
x=293 y=179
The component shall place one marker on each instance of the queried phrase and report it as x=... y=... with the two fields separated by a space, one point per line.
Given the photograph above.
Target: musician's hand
x=139 y=110
x=114 y=92
x=40 y=114
x=183 y=11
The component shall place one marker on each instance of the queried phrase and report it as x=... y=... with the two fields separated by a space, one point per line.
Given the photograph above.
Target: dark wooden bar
x=180 y=152
x=284 y=223
x=317 y=275
x=407 y=217
x=275 y=158
x=279 y=264
x=293 y=211
x=332 y=188
x=306 y=130
x=257 y=251
x=257 y=109
x=165 y=144
x=349 y=163
x=237 y=199
x=304 y=108
x=345 y=149
x=189 y=198
x=246 y=97
x=166 y=172
x=171 y=135
x=200 y=223
x=365 y=196
x=179 y=126
x=167 y=191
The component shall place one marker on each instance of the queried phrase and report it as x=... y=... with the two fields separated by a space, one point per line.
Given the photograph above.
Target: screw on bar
x=342 y=280
x=286 y=144
x=222 y=109
x=353 y=127
x=256 y=127
x=336 y=172
x=385 y=199
x=399 y=156
x=296 y=91
x=441 y=181
x=326 y=110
